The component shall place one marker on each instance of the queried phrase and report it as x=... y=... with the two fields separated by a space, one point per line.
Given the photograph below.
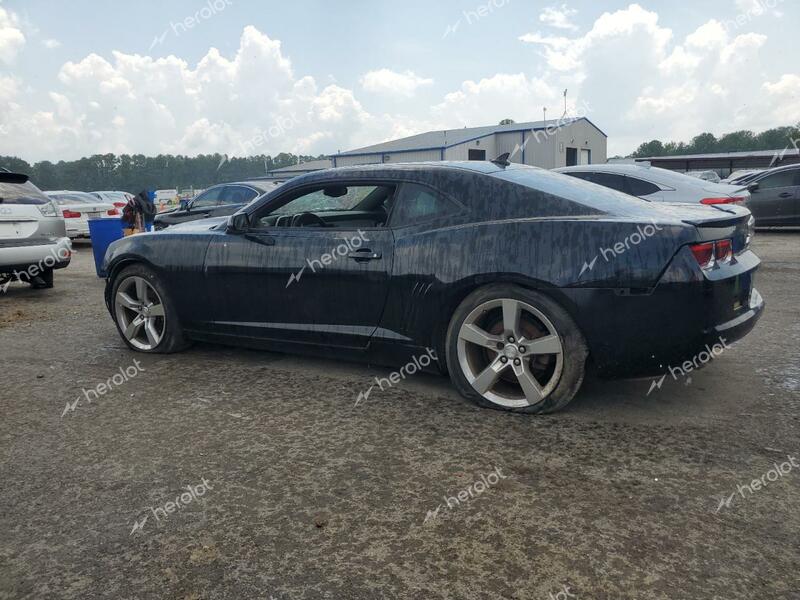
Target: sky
x=246 y=77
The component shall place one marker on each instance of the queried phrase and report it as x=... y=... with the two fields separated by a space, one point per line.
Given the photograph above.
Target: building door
x=572 y=157
x=474 y=154
x=586 y=156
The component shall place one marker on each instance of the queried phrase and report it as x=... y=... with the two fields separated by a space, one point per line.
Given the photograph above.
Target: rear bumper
x=737 y=328
x=644 y=333
x=43 y=254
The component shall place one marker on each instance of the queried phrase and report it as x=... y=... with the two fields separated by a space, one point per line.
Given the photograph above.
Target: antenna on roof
x=565 y=104
x=544 y=110
x=502 y=160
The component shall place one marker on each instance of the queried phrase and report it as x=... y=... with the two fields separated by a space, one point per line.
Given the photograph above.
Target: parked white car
x=118 y=199
x=33 y=237
x=658 y=185
x=711 y=176
x=78 y=207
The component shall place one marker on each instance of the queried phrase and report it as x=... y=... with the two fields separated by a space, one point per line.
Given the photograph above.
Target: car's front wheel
x=515 y=349
x=146 y=318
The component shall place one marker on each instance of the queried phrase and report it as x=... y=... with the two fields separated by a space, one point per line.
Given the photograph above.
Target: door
x=288 y=279
x=572 y=157
x=586 y=156
x=776 y=200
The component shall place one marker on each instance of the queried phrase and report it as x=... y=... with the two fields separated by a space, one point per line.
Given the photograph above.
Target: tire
x=44 y=280
x=138 y=295
x=539 y=374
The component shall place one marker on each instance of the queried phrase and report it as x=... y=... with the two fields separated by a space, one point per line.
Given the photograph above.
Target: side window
x=416 y=204
x=640 y=187
x=580 y=175
x=208 y=198
x=610 y=180
x=776 y=180
x=333 y=205
x=333 y=197
x=237 y=194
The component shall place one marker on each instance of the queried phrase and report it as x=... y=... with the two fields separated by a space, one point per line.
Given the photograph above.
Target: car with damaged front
x=516 y=280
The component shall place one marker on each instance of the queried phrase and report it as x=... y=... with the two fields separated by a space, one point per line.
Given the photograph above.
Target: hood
x=199 y=225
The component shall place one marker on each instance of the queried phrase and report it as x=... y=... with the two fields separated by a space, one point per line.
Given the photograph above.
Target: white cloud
x=505 y=95
x=386 y=81
x=639 y=80
x=249 y=103
x=51 y=43
x=559 y=17
x=11 y=37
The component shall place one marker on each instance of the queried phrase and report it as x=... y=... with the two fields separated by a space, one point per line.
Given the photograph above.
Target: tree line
x=737 y=141
x=137 y=172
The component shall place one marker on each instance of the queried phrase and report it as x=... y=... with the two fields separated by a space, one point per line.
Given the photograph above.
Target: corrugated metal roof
x=753 y=153
x=453 y=137
x=312 y=165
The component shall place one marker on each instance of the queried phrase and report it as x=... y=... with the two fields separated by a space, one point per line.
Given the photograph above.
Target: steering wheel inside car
x=307 y=218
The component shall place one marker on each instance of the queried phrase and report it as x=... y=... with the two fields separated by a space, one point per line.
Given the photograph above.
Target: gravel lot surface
x=299 y=494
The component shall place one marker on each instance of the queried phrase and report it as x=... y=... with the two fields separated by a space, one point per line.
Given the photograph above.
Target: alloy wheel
x=140 y=313
x=510 y=353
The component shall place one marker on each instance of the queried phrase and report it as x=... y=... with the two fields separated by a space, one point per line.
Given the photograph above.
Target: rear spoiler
x=734 y=216
x=6 y=177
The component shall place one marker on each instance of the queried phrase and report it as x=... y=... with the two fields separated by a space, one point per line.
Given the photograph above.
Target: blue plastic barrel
x=103 y=232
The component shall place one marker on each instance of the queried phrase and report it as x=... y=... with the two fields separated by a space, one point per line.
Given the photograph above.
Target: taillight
x=751 y=231
x=704 y=254
x=113 y=212
x=709 y=254
x=725 y=200
x=723 y=251
x=71 y=214
x=119 y=204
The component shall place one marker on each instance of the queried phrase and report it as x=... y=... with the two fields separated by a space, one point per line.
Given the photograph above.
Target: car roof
x=378 y=169
x=654 y=174
x=264 y=186
x=780 y=169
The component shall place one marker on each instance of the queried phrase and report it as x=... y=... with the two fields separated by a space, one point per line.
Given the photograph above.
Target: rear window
x=592 y=198
x=21 y=193
x=71 y=199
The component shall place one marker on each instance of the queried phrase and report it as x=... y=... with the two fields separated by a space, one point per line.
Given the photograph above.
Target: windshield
x=21 y=193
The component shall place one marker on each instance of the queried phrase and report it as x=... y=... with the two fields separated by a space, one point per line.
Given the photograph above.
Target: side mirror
x=185 y=204
x=238 y=223
x=752 y=187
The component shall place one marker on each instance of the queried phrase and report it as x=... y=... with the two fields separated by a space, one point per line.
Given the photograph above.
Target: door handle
x=364 y=255
x=264 y=241
x=785 y=195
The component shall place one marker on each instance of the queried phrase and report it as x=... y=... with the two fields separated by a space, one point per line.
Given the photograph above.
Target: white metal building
x=546 y=144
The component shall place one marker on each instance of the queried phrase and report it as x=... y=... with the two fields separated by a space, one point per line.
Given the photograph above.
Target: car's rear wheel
x=515 y=349
x=146 y=318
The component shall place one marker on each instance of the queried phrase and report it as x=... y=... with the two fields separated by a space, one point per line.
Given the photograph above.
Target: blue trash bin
x=103 y=232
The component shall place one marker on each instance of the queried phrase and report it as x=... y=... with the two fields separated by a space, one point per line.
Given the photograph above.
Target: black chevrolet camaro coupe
x=515 y=279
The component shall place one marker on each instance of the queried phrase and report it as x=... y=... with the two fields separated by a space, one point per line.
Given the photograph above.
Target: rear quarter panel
x=435 y=270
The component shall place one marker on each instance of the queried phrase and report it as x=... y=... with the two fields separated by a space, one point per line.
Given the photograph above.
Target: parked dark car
x=217 y=201
x=511 y=277
x=775 y=197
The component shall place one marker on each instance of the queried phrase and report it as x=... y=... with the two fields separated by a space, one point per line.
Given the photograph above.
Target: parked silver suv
x=33 y=237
